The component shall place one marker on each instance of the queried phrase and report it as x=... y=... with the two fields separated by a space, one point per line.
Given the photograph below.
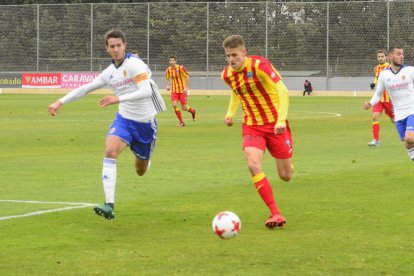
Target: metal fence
x=324 y=39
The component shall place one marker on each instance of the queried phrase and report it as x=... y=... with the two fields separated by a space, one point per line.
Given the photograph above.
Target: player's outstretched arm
x=379 y=90
x=282 y=92
x=54 y=108
x=75 y=94
x=232 y=109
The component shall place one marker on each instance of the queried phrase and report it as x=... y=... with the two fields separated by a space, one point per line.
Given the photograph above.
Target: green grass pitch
x=349 y=208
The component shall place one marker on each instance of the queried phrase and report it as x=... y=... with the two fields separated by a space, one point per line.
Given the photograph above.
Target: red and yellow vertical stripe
x=178 y=75
x=255 y=83
x=377 y=70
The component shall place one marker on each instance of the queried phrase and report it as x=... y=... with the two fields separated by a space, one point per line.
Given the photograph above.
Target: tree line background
x=326 y=38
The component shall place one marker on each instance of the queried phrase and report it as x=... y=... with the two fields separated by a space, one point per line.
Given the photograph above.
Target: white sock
x=109 y=179
x=411 y=153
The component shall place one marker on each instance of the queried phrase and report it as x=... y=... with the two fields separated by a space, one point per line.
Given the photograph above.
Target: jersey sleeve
x=138 y=71
x=282 y=93
x=233 y=105
x=83 y=90
x=167 y=74
x=376 y=75
x=379 y=90
x=268 y=72
x=225 y=78
x=184 y=72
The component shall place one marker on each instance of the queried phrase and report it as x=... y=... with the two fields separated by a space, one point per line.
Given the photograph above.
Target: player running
x=134 y=126
x=398 y=80
x=384 y=104
x=177 y=81
x=258 y=86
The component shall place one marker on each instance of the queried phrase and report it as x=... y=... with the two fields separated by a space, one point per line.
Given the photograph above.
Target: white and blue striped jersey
x=400 y=87
x=139 y=96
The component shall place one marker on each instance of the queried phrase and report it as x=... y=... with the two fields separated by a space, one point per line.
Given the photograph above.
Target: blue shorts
x=140 y=137
x=404 y=125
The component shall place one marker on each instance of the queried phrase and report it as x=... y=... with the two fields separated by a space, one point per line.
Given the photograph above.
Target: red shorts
x=280 y=145
x=179 y=97
x=387 y=107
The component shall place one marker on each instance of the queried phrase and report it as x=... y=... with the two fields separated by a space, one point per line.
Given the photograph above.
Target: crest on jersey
x=403 y=77
x=250 y=74
x=125 y=73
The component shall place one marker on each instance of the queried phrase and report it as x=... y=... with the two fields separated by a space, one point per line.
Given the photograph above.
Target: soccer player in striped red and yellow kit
x=177 y=81
x=264 y=98
x=385 y=103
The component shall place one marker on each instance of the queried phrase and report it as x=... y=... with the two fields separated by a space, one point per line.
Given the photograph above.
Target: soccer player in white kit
x=398 y=80
x=134 y=126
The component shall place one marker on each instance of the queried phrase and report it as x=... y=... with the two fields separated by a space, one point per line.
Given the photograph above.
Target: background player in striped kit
x=398 y=80
x=177 y=82
x=385 y=103
x=134 y=126
x=258 y=86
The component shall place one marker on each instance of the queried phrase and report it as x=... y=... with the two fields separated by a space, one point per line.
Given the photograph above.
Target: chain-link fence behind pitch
x=326 y=39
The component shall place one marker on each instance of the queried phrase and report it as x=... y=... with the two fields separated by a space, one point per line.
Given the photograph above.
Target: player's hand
x=367 y=105
x=228 y=121
x=108 y=100
x=54 y=108
x=280 y=128
x=372 y=85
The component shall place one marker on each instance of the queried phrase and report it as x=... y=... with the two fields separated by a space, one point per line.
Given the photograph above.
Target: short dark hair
x=233 y=41
x=392 y=49
x=382 y=51
x=172 y=56
x=114 y=33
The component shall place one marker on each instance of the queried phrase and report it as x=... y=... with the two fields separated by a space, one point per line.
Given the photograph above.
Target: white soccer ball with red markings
x=226 y=225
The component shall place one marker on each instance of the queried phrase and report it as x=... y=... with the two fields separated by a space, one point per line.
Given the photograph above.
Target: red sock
x=178 y=113
x=375 y=130
x=265 y=191
x=189 y=109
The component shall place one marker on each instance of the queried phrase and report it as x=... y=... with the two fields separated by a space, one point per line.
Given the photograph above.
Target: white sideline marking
x=322 y=115
x=76 y=205
x=328 y=114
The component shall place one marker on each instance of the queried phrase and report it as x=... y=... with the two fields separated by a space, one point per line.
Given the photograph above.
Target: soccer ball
x=226 y=225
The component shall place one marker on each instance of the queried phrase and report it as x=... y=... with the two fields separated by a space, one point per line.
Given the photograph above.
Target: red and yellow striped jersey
x=257 y=85
x=377 y=70
x=179 y=77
